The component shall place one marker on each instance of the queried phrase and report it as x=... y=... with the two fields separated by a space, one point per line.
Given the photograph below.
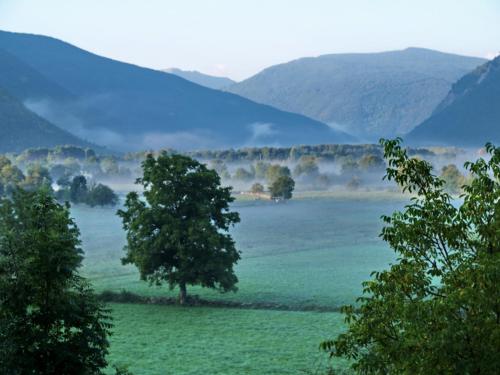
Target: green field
x=306 y=254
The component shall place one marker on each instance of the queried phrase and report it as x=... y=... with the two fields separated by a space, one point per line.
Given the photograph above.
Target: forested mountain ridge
x=470 y=113
x=366 y=94
x=128 y=107
x=21 y=129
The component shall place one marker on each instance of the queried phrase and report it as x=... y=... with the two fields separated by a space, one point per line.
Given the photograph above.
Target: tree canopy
x=436 y=310
x=50 y=321
x=282 y=188
x=178 y=233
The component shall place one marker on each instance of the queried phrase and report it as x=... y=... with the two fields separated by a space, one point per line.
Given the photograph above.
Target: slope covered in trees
x=367 y=94
x=21 y=129
x=128 y=107
x=469 y=115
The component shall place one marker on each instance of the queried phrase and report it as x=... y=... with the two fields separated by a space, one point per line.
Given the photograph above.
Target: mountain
x=366 y=94
x=206 y=80
x=127 y=107
x=24 y=82
x=21 y=128
x=469 y=115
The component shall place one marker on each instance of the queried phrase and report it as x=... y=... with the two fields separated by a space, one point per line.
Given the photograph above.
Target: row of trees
x=74 y=190
x=78 y=191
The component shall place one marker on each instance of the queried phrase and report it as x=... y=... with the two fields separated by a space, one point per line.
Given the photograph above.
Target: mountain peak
x=213 y=82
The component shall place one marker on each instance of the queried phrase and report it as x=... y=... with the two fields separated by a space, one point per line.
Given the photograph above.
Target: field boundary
x=195 y=301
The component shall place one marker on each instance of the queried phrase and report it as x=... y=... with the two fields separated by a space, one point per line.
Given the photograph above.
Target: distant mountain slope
x=206 y=80
x=21 y=128
x=469 y=115
x=367 y=94
x=24 y=82
x=129 y=108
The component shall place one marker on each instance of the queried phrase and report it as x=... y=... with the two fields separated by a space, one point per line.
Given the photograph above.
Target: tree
x=179 y=233
x=349 y=166
x=282 y=188
x=371 y=162
x=10 y=176
x=101 y=195
x=242 y=174
x=50 y=320
x=221 y=168
x=454 y=180
x=257 y=188
x=436 y=310
x=306 y=167
x=275 y=171
x=78 y=190
x=261 y=169
x=37 y=176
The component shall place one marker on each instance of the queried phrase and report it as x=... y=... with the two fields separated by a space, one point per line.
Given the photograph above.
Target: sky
x=238 y=38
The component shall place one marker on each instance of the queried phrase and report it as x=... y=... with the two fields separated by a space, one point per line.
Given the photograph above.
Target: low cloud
x=178 y=140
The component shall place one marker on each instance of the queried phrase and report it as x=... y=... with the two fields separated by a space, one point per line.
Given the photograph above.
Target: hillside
x=127 y=107
x=366 y=94
x=469 y=115
x=206 y=80
x=24 y=82
x=21 y=128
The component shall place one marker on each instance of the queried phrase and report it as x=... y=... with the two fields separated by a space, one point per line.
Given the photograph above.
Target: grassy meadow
x=303 y=259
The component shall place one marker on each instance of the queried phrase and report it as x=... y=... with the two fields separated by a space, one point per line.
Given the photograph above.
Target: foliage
x=242 y=174
x=101 y=195
x=220 y=167
x=349 y=166
x=78 y=190
x=37 y=176
x=371 y=162
x=436 y=310
x=257 y=188
x=306 y=167
x=50 y=320
x=282 y=188
x=179 y=233
x=261 y=169
x=454 y=180
x=276 y=171
x=10 y=176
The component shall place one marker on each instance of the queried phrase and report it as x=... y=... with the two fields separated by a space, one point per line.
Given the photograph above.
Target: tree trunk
x=182 y=293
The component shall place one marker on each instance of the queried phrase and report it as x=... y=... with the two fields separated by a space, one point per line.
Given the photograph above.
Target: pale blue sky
x=238 y=38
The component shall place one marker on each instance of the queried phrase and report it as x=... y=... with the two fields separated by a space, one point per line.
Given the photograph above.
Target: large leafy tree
x=179 y=233
x=50 y=320
x=436 y=310
x=282 y=188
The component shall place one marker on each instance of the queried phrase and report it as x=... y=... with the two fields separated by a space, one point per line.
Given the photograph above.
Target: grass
x=159 y=340
x=306 y=253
